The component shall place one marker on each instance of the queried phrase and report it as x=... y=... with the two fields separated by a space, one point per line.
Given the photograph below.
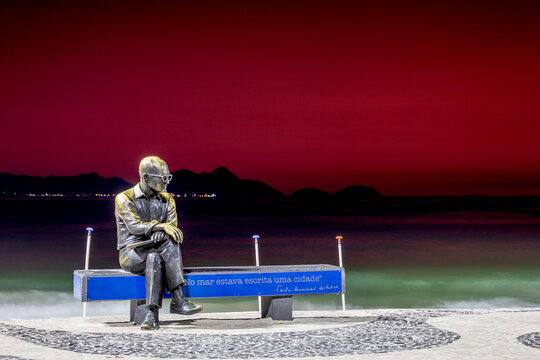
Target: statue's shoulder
x=126 y=195
x=166 y=196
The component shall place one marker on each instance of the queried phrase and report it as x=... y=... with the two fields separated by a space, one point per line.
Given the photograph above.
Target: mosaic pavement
x=531 y=339
x=391 y=332
x=394 y=331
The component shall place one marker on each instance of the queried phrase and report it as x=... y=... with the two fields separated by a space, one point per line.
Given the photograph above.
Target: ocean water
x=398 y=252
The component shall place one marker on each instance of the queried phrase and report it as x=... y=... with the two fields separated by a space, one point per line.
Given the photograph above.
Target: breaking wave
x=502 y=302
x=45 y=304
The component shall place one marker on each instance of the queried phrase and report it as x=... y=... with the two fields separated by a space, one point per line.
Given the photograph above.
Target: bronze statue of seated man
x=149 y=238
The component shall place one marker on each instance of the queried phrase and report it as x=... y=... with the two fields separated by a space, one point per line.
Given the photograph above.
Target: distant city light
x=100 y=195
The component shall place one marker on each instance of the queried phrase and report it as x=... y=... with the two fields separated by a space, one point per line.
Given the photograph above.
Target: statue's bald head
x=152 y=165
x=154 y=173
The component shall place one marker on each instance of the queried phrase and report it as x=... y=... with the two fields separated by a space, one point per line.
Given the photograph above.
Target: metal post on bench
x=87 y=259
x=339 y=238
x=256 y=238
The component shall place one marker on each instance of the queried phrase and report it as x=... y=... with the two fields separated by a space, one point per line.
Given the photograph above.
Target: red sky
x=412 y=99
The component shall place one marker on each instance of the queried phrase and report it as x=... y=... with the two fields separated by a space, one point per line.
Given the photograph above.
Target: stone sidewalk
x=352 y=334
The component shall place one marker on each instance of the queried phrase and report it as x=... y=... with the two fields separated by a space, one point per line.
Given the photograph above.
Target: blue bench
x=274 y=283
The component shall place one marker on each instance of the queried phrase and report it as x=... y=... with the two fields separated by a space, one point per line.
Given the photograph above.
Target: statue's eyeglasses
x=165 y=178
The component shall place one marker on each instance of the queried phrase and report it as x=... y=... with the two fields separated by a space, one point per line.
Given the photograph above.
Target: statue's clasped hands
x=171 y=230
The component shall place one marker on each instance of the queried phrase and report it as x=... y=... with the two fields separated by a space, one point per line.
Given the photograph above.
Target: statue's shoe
x=149 y=322
x=185 y=307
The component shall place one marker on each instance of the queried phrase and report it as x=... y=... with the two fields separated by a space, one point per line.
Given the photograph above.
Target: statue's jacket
x=136 y=215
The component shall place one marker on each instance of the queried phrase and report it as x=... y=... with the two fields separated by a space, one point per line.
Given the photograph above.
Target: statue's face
x=159 y=178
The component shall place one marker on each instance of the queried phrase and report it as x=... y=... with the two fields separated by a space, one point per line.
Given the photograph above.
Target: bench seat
x=275 y=283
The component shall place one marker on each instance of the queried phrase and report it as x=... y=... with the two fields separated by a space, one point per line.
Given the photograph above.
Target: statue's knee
x=173 y=245
x=172 y=249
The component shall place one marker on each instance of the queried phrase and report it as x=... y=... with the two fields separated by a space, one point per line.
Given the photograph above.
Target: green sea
x=469 y=252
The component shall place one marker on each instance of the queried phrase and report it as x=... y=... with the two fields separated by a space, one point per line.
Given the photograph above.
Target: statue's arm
x=171 y=217
x=170 y=222
x=125 y=209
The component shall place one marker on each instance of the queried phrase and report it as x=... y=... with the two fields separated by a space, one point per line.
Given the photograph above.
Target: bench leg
x=277 y=307
x=138 y=311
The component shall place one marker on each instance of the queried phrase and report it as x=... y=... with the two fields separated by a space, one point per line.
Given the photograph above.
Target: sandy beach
x=352 y=334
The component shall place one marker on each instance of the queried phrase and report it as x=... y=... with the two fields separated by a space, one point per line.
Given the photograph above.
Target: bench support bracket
x=277 y=307
x=138 y=311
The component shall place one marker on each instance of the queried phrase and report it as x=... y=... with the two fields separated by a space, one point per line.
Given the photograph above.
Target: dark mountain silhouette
x=358 y=192
x=310 y=193
x=221 y=182
x=69 y=185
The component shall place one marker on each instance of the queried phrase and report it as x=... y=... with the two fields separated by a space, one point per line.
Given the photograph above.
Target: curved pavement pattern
x=388 y=333
x=531 y=339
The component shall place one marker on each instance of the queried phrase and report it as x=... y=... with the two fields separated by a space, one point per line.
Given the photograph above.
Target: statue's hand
x=181 y=237
x=159 y=236
x=172 y=231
